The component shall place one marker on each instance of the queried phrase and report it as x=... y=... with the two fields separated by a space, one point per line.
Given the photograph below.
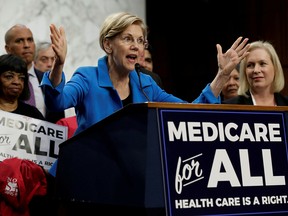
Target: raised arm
x=59 y=45
x=227 y=62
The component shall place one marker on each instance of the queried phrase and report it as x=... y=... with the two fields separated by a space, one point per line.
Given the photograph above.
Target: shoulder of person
x=86 y=69
x=154 y=76
x=38 y=74
x=32 y=110
x=281 y=100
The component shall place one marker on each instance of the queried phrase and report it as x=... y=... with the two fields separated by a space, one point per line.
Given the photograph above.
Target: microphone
x=138 y=69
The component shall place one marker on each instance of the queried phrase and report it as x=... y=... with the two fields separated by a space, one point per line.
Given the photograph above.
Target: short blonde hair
x=279 y=81
x=116 y=23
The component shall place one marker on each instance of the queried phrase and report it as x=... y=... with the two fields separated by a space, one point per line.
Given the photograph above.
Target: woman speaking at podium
x=98 y=91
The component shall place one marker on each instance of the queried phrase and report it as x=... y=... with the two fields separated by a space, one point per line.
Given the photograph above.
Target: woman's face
x=126 y=48
x=231 y=86
x=259 y=70
x=12 y=84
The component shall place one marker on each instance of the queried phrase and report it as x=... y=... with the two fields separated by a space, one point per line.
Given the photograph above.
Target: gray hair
x=41 y=46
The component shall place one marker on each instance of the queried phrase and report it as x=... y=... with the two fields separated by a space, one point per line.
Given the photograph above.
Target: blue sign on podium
x=224 y=162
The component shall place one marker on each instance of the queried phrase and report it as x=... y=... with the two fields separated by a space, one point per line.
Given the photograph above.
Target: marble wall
x=80 y=18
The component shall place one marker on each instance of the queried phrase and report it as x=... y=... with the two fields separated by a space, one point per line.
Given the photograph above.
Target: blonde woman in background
x=261 y=77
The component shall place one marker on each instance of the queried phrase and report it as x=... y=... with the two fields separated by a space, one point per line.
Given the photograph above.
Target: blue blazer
x=52 y=117
x=91 y=92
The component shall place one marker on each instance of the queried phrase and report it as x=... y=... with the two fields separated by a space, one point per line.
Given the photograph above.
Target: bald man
x=19 y=41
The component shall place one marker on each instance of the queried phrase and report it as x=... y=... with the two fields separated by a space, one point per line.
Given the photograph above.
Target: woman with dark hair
x=14 y=87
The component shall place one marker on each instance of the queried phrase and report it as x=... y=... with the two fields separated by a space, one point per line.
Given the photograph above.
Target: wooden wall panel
x=268 y=20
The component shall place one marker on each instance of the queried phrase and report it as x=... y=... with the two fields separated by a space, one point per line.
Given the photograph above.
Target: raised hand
x=233 y=56
x=227 y=62
x=59 y=43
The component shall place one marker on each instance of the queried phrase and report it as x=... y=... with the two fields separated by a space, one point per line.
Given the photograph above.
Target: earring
x=108 y=49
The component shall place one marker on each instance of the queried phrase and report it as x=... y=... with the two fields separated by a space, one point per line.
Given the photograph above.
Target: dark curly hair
x=10 y=62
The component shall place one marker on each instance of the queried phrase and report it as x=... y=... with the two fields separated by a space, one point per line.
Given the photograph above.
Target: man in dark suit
x=44 y=56
x=155 y=76
x=19 y=41
x=146 y=63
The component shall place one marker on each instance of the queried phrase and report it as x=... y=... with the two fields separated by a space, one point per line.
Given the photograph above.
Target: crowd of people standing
x=96 y=92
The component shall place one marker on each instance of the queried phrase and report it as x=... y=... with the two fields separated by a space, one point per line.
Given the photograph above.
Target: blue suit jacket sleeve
x=207 y=96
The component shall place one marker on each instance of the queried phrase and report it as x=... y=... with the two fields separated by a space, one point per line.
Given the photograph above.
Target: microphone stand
x=138 y=69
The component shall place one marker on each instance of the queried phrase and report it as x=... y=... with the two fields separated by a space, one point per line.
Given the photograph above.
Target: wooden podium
x=121 y=163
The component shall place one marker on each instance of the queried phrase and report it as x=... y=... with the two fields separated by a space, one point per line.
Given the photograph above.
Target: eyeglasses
x=129 y=40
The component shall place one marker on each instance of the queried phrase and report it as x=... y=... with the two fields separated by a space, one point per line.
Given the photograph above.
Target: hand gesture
x=233 y=56
x=59 y=44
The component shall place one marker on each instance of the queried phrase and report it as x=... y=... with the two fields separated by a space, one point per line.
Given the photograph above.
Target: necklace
x=8 y=107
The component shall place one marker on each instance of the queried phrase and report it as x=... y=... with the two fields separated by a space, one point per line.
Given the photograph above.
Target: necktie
x=31 y=100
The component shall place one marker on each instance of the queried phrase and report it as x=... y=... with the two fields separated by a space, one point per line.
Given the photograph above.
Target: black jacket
x=154 y=76
x=279 y=99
